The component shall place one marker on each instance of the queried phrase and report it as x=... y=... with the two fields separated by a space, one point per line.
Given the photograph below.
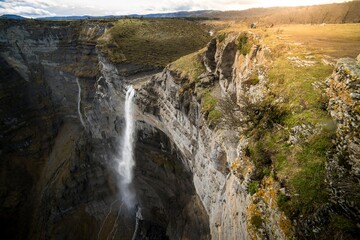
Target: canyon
x=201 y=118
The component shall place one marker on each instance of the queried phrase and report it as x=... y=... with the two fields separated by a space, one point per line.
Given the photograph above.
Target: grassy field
x=154 y=42
x=336 y=40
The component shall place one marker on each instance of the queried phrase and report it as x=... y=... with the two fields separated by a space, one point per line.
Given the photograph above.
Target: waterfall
x=79 y=102
x=125 y=160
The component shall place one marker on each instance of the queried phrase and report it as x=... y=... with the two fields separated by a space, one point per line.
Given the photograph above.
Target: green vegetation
x=222 y=37
x=208 y=102
x=337 y=40
x=302 y=165
x=155 y=42
x=253 y=187
x=214 y=116
x=208 y=108
x=295 y=85
x=253 y=79
x=257 y=221
x=341 y=223
x=282 y=202
x=189 y=66
x=244 y=43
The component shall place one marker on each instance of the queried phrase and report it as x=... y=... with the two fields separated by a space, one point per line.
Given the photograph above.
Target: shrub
x=342 y=223
x=222 y=37
x=253 y=79
x=244 y=44
x=253 y=187
x=282 y=201
x=214 y=116
x=208 y=103
x=310 y=186
x=256 y=221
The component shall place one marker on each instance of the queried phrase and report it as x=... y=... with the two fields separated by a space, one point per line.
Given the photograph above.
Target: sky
x=42 y=8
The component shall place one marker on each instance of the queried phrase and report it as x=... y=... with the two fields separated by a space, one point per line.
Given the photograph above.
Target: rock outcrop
x=209 y=152
x=344 y=162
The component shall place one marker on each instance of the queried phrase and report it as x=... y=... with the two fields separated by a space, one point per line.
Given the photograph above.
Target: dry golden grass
x=348 y=12
x=336 y=40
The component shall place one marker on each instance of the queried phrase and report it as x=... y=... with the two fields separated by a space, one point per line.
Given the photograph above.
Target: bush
x=260 y=154
x=214 y=116
x=310 y=186
x=282 y=201
x=244 y=45
x=222 y=37
x=208 y=103
x=257 y=221
x=342 y=223
x=253 y=187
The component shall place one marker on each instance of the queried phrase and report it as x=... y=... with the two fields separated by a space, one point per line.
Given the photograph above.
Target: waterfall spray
x=126 y=161
x=79 y=103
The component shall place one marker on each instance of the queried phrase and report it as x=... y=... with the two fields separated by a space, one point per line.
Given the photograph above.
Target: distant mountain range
x=12 y=16
x=181 y=14
x=348 y=12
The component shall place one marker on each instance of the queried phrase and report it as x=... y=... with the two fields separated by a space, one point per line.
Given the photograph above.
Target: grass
x=253 y=187
x=336 y=40
x=256 y=221
x=253 y=79
x=244 y=43
x=296 y=98
x=214 y=116
x=295 y=85
x=342 y=223
x=189 y=66
x=222 y=37
x=155 y=42
x=209 y=108
x=208 y=102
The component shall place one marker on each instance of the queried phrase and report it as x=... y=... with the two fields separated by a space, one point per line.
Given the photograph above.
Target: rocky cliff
x=62 y=115
x=211 y=152
x=238 y=179
x=226 y=146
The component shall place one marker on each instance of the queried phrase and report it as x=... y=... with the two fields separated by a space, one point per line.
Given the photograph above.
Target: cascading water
x=125 y=160
x=79 y=103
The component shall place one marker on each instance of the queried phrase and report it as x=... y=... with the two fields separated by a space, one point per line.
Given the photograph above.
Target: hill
x=154 y=42
x=348 y=12
x=11 y=16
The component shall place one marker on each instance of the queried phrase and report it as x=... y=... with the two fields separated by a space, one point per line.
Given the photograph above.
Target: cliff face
x=39 y=102
x=343 y=166
x=243 y=200
x=211 y=153
x=62 y=118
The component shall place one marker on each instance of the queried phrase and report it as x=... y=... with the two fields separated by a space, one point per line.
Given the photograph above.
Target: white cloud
x=36 y=8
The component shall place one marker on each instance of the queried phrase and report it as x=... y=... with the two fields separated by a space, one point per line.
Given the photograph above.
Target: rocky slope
x=209 y=140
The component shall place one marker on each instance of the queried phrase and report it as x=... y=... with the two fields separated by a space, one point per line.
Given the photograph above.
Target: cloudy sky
x=41 y=8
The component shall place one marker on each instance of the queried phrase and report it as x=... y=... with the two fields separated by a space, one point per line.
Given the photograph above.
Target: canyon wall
x=62 y=118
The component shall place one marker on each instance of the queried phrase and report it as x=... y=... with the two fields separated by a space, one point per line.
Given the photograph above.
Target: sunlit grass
x=337 y=40
x=155 y=42
x=189 y=66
